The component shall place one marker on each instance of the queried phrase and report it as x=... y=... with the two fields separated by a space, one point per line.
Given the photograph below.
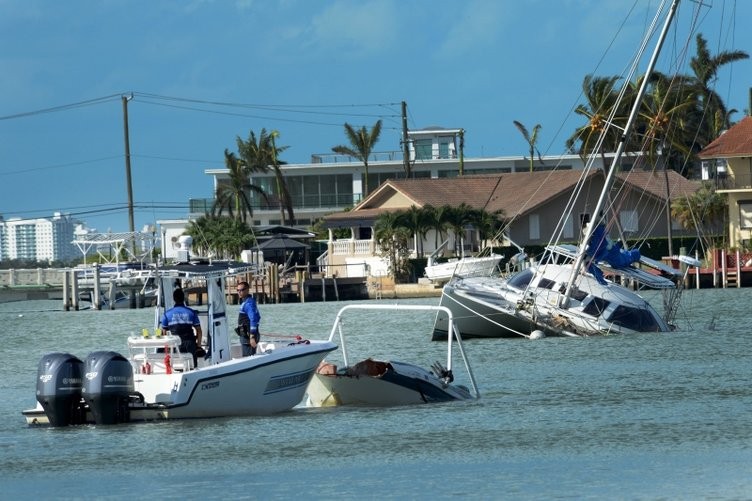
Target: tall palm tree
x=262 y=155
x=234 y=195
x=601 y=97
x=361 y=146
x=531 y=139
x=705 y=67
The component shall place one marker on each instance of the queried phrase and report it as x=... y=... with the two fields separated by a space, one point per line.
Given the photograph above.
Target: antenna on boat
x=619 y=151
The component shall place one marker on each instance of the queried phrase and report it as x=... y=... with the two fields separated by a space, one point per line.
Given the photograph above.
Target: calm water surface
x=633 y=417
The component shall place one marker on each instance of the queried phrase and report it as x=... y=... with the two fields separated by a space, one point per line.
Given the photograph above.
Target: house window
x=568 y=230
x=423 y=149
x=745 y=214
x=628 y=220
x=534 y=226
x=443 y=149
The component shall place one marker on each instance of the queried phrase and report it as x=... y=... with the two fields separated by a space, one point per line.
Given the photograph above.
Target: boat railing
x=454 y=333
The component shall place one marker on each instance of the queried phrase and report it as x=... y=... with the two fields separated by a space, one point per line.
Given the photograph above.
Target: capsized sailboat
x=154 y=381
x=573 y=290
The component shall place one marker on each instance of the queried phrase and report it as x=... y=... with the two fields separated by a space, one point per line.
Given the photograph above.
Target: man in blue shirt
x=184 y=322
x=248 y=320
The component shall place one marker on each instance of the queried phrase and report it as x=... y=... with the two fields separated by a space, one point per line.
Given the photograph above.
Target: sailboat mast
x=609 y=181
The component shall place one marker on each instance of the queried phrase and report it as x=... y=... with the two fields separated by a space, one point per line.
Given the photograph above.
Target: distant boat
x=466 y=266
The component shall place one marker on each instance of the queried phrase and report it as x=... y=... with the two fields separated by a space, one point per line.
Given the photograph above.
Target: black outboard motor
x=108 y=383
x=59 y=383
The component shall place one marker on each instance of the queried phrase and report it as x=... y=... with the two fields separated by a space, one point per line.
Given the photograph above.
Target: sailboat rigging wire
x=620 y=149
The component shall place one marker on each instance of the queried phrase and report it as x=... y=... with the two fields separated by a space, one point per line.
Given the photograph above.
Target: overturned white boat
x=155 y=381
x=372 y=382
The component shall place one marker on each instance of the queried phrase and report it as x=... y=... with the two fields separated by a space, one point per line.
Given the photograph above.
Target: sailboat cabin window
x=521 y=280
x=745 y=214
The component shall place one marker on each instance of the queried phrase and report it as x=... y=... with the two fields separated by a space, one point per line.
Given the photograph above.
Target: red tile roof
x=735 y=142
x=512 y=193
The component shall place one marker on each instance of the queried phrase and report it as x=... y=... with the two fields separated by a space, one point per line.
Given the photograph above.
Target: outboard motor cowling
x=108 y=383
x=59 y=383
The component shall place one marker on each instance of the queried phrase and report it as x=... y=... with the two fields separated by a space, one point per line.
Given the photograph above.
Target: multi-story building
x=41 y=239
x=333 y=183
x=727 y=162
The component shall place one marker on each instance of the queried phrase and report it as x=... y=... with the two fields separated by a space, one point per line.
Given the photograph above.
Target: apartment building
x=41 y=239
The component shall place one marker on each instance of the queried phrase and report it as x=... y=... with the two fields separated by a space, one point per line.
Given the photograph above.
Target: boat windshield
x=595 y=306
x=521 y=280
x=637 y=319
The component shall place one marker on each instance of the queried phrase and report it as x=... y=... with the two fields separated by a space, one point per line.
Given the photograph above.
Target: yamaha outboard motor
x=108 y=383
x=59 y=382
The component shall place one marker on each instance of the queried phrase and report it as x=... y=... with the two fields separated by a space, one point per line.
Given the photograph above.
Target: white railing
x=353 y=248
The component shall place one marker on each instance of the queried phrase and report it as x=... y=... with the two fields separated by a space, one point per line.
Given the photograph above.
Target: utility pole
x=405 y=149
x=131 y=224
x=462 y=152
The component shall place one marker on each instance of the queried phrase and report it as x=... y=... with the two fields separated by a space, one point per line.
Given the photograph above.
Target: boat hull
x=267 y=383
x=396 y=384
x=479 y=315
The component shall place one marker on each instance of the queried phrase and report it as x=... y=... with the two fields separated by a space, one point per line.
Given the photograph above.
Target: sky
x=202 y=73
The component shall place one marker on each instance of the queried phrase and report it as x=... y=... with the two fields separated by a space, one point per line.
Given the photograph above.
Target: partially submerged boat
x=154 y=381
x=581 y=290
x=373 y=382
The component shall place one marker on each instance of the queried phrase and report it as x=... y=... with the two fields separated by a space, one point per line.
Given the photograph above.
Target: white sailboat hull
x=465 y=267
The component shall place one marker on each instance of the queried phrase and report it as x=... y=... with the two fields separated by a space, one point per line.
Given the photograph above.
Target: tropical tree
x=417 y=221
x=531 y=139
x=706 y=210
x=219 y=236
x=234 y=195
x=487 y=224
x=705 y=67
x=457 y=219
x=662 y=122
x=262 y=155
x=601 y=97
x=392 y=239
x=438 y=220
x=361 y=145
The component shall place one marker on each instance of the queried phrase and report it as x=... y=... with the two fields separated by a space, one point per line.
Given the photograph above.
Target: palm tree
x=418 y=222
x=531 y=139
x=219 y=236
x=705 y=210
x=663 y=120
x=457 y=218
x=234 y=195
x=601 y=98
x=361 y=146
x=392 y=240
x=262 y=155
x=705 y=68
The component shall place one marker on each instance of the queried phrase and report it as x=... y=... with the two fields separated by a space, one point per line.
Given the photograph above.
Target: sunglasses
x=242 y=289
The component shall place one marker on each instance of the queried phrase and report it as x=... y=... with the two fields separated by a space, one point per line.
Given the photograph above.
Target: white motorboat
x=154 y=381
x=566 y=293
x=372 y=382
x=464 y=267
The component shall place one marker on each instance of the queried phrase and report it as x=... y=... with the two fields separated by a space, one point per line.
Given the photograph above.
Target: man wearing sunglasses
x=248 y=320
